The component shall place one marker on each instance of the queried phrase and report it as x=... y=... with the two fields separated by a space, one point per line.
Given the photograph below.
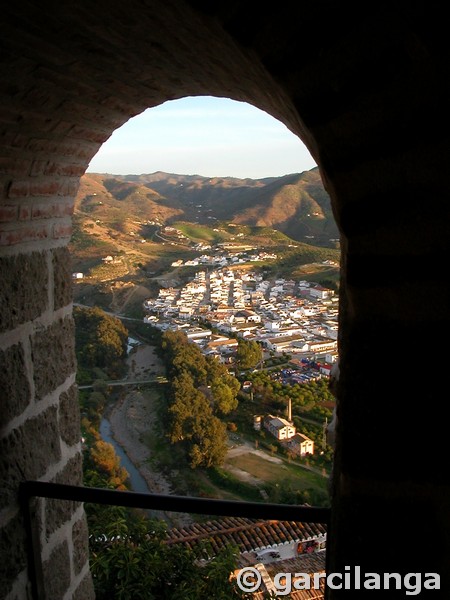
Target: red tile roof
x=247 y=534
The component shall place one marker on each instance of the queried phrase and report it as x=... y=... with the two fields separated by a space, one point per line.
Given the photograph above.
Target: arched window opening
x=206 y=278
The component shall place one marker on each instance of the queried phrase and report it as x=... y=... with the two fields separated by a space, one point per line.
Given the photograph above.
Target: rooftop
x=248 y=534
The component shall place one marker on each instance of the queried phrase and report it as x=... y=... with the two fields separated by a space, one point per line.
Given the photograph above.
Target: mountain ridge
x=295 y=204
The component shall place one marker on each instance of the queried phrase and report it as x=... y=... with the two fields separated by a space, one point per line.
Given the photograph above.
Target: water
x=137 y=482
x=131 y=343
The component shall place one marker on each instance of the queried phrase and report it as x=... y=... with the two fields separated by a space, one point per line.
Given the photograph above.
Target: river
x=137 y=482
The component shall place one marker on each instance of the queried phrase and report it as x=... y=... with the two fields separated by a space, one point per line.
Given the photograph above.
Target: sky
x=203 y=136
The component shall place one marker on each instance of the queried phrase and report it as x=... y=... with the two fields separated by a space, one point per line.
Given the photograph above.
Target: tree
x=209 y=448
x=224 y=397
x=193 y=406
x=100 y=340
x=193 y=423
x=129 y=559
x=107 y=462
x=248 y=354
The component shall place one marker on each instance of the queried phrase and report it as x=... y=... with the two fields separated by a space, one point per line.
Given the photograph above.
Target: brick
x=56 y=571
x=24 y=234
x=8 y=213
x=38 y=167
x=14 y=386
x=62 y=278
x=48 y=210
x=62 y=128
x=18 y=189
x=90 y=134
x=19 y=140
x=72 y=186
x=69 y=416
x=68 y=170
x=48 y=187
x=61 y=231
x=53 y=351
x=23 y=291
x=25 y=212
x=27 y=452
x=12 y=165
x=58 y=512
x=58 y=149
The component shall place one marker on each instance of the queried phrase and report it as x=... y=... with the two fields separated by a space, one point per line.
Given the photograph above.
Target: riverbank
x=131 y=418
x=134 y=416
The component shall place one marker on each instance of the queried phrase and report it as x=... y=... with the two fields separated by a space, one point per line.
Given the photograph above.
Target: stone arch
x=368 y=97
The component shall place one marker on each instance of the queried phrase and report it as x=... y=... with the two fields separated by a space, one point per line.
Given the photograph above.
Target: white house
x=279 y=427
x=196 y=333
x=320 y=292
x=301 y=444
x=325 y=345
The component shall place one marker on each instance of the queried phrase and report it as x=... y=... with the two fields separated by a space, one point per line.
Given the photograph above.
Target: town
x=287 y=318
x=226 y=295
x=282 y=315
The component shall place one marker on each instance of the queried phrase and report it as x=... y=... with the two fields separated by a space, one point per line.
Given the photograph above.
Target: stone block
x=80 y=544
x=13 y=553
x=53 y=351
x=23 y=291
x=58 y=512
x=27 y=452
x=14 y=386
x=62 y=278
x=57 y=572
x=85 y=591
x=69 y=416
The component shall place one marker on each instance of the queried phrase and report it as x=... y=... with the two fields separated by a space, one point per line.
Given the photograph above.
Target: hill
x=295 y=204
x=129 y=231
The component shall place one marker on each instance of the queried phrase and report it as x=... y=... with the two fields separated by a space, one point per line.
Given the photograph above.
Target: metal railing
x=181 y=504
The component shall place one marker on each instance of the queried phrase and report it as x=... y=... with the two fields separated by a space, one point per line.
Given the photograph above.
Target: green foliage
x=130 y=559
x=226 y=481
x=102 y=459
x=100 y=340
x=200 y=390
x=285 y=492
x=305 y=397
x=224 y=397
x=248 y=354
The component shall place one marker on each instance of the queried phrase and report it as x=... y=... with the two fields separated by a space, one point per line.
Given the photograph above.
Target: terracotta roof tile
x=247 y=534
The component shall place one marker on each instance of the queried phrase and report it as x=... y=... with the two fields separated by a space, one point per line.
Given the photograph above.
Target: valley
x=130 y=231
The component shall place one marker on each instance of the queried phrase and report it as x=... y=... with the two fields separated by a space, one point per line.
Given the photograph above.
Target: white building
x=301 y=444
x=279 y=427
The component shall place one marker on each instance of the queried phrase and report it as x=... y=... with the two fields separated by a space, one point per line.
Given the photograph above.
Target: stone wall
x=40 y=421
x=367 y=92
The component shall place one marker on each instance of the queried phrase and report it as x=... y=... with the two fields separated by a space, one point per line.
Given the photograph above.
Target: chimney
x=289 y=410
